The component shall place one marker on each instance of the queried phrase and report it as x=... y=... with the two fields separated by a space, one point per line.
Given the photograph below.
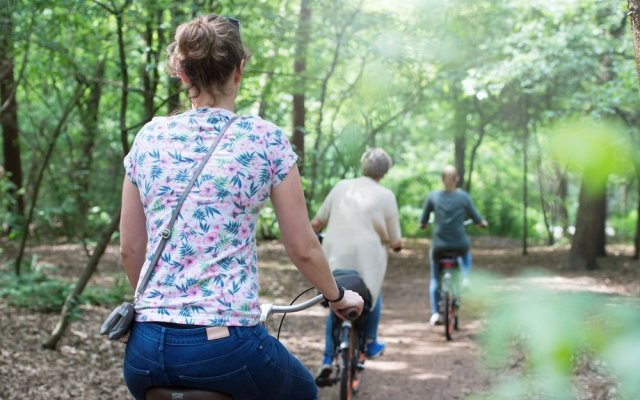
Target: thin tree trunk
x=472 y=158
x=563 y=191
x=525 y=181
x=173 y=83
x=600 y=217
x=150 y=74
x=543 y=202
x=89 y=117
x=636 y=242
x=339 y=41
x=124 y=74
x=40 y=175
x=9 y=111
x=460 y=139
x=299 y=68
x=634 y=16
x=72 y=299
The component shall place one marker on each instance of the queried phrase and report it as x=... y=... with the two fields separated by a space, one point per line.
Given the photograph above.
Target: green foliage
x=550 y=331
x=599 y=148
x=7 y=203
x=433 y=70
x=38 y=291
x=115 y=294
x=624 y=225
x=35 y=291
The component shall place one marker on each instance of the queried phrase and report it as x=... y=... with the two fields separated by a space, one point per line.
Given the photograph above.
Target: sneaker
x=466 y=283
x=435 y=319
x=324 y=375
x=375 y=349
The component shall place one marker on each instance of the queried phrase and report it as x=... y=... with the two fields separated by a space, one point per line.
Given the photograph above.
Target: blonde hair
x=206 y=50
x=375 y=163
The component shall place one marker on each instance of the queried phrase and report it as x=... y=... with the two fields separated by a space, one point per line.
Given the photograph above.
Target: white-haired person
x=361 y=220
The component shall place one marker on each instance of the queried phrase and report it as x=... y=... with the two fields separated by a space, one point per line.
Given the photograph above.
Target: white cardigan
x=362 y=220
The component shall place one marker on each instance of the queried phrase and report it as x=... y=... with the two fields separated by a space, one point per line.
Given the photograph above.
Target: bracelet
x=340 y=295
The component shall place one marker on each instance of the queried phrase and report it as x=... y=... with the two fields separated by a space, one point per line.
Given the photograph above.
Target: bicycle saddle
x=184 y=394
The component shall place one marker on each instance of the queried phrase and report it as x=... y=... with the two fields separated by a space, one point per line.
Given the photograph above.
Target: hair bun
x=197 y=40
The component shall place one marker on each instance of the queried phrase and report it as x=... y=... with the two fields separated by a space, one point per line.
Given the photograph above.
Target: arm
x=301 y=243
x=319 y=222
x=427 y=209
x=393 y=225
x=475 y=215
x=133 y=232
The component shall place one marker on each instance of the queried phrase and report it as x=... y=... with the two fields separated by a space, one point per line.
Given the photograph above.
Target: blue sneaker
x=375 y=349
x=324 y=373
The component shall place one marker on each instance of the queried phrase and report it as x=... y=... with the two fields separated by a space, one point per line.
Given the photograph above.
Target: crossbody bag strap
x=166 y=233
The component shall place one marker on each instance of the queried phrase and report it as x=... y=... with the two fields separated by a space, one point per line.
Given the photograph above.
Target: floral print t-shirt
x=207 y=273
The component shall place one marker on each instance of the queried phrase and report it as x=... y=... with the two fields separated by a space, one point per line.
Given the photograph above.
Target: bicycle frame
x=449 y=291
x=349 y=356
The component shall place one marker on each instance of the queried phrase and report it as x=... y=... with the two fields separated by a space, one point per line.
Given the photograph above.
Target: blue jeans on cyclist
x=372 y=319
x=246 y=364
x=464 y=262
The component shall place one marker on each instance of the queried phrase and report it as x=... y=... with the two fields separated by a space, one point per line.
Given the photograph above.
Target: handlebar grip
x=351 y=313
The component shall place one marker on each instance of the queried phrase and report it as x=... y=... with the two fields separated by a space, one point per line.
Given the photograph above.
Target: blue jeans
x=247 y=364
x=371 y=322
x=434 y=289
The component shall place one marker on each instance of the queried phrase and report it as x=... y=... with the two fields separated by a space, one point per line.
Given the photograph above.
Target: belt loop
x=163 y=332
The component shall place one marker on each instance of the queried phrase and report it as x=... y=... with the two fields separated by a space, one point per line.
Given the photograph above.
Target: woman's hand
x=351 y=301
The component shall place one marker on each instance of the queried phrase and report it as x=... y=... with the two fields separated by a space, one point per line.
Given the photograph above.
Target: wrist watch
x=340 y=295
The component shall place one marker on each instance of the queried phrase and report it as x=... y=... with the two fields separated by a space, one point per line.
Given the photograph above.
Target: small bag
x=119 y=322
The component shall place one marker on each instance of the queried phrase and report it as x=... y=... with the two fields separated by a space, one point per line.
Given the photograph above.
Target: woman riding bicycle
x=197 y=322
x=361 y=217
x=451 y=207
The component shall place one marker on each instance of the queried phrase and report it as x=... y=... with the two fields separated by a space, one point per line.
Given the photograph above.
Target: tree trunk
x=525 y=189
x=636 y=242
x=634 y=16
x=150 y=73
x=472 y=158
x=543 y=201
x=600 y=216
x=460 y=139
x=40 y=175
x=563 y=191
x=9 y=111
x=174 y=84
x=89 y=117
x=299 y=68
x=584 y=246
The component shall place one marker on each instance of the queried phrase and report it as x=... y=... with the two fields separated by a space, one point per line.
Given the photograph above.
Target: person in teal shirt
x=450 y=207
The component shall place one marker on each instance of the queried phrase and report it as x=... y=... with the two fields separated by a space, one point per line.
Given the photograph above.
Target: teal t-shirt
x=450 y=210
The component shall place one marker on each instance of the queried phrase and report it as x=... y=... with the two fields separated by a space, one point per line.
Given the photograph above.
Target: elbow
x=130 y=252
x=300 y=254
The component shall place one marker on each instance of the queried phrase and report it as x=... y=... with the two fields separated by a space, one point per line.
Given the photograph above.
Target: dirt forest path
x=418 y=363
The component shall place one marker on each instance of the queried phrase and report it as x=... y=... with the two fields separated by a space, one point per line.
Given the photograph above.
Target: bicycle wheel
x=449 y=315
x=456 y=307
x=346 y=366
x=357 y=365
